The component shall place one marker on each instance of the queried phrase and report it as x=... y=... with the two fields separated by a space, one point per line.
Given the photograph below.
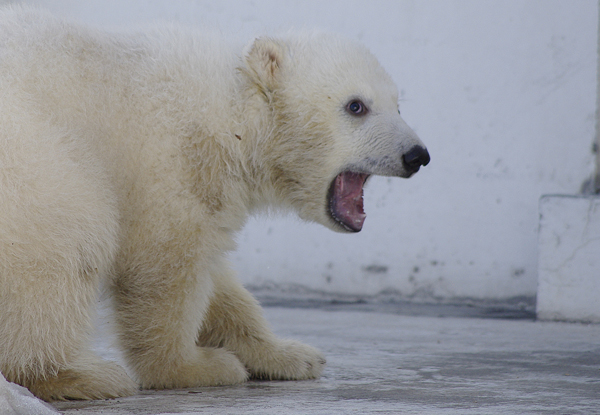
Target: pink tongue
x=347 y=206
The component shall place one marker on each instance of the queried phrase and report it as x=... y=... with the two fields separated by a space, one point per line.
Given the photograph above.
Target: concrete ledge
x=569 y=259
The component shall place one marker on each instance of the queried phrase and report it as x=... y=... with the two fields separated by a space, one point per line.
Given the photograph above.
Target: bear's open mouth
x=346 y=200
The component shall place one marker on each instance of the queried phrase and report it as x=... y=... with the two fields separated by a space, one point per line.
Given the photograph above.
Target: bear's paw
x=288 y=360
x=209 y=367
x=97 y=380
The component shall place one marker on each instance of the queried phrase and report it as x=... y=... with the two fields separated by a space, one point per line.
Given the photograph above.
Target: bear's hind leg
x=58 y=239
x=47 y=309
x=235 y=322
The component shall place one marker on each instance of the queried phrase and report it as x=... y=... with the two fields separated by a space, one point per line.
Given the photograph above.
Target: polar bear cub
x=133 y=159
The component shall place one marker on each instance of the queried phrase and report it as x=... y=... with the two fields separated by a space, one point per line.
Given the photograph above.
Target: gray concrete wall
x=502 y=92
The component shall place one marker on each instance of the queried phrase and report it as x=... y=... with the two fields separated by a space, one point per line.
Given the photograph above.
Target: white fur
x=134 y=159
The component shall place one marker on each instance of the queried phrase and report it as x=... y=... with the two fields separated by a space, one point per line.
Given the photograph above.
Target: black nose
x=415 y=157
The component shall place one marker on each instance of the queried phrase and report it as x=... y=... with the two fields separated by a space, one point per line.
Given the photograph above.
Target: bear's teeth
x=346 y=204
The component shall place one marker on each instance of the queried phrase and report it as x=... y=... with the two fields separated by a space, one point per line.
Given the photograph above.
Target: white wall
x=503 y=92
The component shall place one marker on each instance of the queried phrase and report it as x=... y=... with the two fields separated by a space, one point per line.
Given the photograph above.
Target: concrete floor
x=381 y=362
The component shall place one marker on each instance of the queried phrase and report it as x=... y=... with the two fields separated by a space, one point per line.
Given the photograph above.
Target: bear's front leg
x=235 y=321
x=159 y=319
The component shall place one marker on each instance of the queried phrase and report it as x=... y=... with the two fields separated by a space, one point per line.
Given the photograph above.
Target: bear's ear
x=264 y=61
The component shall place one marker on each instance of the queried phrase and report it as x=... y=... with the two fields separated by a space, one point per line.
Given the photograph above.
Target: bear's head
x=335 y=122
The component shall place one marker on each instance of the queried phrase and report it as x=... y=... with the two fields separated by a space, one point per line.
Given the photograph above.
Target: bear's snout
x=414 y=158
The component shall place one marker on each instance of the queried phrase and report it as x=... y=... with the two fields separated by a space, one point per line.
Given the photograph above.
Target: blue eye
x=356 y=107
